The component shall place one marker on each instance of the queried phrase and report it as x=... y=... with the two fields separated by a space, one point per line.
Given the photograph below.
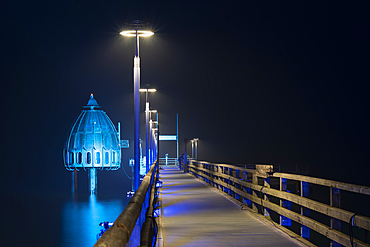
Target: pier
x=194 y=214
x=225 y=205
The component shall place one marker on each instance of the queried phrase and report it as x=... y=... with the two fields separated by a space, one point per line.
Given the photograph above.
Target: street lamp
x=151 y=136
x=147 y=91
x=195 y=140
x=136 y=30
x=192 y=148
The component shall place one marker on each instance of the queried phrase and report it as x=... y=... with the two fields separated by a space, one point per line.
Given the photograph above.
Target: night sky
x=255 y=81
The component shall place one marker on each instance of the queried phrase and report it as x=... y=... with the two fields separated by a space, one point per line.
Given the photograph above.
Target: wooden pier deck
x=194 y=214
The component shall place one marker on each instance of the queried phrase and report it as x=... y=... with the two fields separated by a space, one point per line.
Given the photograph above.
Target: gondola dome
x=93 y=141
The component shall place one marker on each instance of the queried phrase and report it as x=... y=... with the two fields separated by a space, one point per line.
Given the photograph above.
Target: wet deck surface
x=194 y=214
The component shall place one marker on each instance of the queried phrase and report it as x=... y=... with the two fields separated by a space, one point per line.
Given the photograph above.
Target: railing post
x=305 y=231
x=284 y=221
x=217 y=168
x=245 y=200
x=211 y=171
x=254 y=181
x=221 y=170
x=206 y=166
x=335 y=202
x=237 y=186
x=266 y=183
x=231 y=183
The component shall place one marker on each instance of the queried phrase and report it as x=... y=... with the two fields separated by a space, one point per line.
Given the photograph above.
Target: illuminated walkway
x=194 y=214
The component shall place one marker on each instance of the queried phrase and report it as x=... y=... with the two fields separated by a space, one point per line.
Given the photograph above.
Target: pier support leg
x=92 y=181
x=74 y=181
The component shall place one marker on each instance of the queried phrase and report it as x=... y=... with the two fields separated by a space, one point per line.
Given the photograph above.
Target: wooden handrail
x=216 y=178
x=119 y=234
x=325 y=182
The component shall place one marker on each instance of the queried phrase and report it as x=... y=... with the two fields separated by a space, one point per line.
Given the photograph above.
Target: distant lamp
x=147 y=111
x=150 y=90
x=194 y=141
x=136 y=29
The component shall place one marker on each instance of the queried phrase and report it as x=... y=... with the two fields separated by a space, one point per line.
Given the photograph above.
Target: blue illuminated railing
x=136 y=217
x=252 y=188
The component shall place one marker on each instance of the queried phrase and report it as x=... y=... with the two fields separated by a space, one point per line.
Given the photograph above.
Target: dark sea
x=52 y=216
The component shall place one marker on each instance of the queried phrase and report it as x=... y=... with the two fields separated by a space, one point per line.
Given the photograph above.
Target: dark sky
x=255 y=81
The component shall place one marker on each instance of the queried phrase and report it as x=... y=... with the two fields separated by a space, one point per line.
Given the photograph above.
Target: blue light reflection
x=80 y=219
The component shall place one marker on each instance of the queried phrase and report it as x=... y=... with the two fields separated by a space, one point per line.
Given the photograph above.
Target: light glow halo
x=140 y=33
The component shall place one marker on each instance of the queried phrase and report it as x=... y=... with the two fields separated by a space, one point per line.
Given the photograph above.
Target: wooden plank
x=330 y=183
x=211 y=220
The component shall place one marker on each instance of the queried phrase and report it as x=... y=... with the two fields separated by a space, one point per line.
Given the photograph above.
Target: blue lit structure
x=92 y=143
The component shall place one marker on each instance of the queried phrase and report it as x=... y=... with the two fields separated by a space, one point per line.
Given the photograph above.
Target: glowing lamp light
x=140 y=33
x=151 y=90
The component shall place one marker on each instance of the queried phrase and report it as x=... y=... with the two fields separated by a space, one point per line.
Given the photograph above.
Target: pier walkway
x=194 y=214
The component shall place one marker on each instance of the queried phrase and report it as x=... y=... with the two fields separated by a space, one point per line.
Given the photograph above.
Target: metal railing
x=136 y=217
x=168 y=161
x=244 y=186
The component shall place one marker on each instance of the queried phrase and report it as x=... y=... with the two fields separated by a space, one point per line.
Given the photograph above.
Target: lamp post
x=192 y=148
x=150 y=138
x=136 y=31
x=196 y=148
x=194 y=140
x=147 y=91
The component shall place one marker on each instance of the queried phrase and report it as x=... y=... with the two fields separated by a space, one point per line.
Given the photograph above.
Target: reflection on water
x=80 y=219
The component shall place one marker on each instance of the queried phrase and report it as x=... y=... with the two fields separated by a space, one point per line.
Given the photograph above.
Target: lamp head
x=150 y=90
x=140 y=33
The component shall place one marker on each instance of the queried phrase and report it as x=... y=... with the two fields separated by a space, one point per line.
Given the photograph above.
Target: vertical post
x=230 y=182
x=177 y=139
x=132 y=180
x=157 y=147
x=247 y=189
x=266 y=183
x=74 y=181
x=305 y=231
x=147 y=131
x=254 y=181
x=335 y=202
x=284 y=221
x=237 y=175
x=150 y=139
x=186 y=157
x=92 y=181
x=136 y=114
x=192 y=148
x=196 y=150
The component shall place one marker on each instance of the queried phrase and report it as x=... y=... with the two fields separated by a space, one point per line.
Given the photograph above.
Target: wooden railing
x=245 y=186
x=134 y=224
